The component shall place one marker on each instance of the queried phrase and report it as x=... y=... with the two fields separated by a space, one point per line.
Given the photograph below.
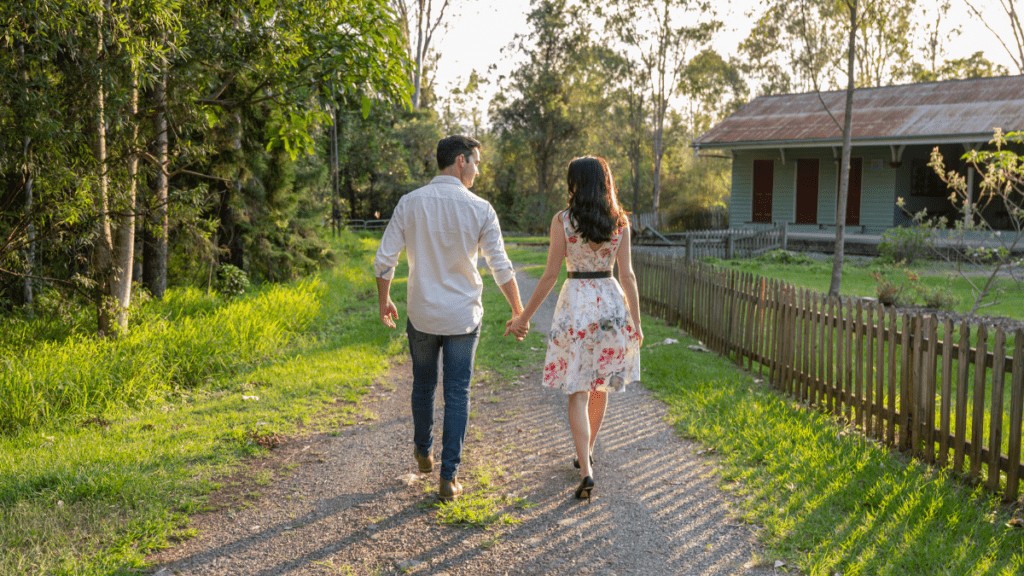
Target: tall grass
x=81 y=494
x=82 y=376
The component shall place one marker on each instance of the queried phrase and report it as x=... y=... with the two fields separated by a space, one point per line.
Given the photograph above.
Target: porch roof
x=954 y=111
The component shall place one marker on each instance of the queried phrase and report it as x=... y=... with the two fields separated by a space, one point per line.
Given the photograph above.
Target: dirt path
x=351 y=503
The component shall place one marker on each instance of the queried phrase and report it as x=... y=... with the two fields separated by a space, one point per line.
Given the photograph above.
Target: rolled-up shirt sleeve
x=493 y=247
x=391 y=245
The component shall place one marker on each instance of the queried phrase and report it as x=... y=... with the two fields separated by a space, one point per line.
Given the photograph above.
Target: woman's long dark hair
x=593 y=204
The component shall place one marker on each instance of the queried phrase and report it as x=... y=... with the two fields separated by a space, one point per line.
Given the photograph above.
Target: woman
x=595 y=338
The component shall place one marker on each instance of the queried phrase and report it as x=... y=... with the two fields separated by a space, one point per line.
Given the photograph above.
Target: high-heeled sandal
x=583 y=490
x=576 y=461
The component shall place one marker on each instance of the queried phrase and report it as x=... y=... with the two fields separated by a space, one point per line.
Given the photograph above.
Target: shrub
x=786 y=257
x=232 y=280
x=888 y=292
x=904 y=244
x=940 y=298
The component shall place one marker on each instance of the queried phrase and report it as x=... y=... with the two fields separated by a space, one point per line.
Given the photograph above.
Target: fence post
x=785 y=236
x=689 y=248
x=730 y=247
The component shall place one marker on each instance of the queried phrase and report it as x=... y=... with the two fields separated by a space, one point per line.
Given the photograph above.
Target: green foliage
x=786 y=257
x=231 y=280
x=904 y=244
x=97 y=493
x=57 y=382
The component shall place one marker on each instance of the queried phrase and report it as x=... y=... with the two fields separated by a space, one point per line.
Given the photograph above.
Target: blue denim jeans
x=456 y=353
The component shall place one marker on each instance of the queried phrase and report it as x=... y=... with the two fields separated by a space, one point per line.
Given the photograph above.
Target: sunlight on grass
x=96 y=497
x=828 y=500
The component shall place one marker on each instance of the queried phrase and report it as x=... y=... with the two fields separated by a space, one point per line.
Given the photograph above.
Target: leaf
x=367 y=104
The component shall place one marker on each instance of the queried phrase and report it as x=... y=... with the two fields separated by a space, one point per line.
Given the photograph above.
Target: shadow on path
x=353 y=504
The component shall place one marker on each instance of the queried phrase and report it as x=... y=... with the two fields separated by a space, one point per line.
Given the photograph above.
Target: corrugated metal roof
x=951 y=111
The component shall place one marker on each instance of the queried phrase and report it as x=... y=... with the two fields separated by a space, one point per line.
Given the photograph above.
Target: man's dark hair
x=450 y=148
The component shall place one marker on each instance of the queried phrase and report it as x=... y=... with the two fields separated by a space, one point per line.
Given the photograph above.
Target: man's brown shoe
x=426 y=463
x=449 y=490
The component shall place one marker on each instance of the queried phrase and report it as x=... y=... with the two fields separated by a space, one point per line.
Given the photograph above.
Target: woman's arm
x=627 y=278
x=556 y=254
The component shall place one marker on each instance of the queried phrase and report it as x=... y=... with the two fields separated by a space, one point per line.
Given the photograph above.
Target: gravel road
x=352 y=503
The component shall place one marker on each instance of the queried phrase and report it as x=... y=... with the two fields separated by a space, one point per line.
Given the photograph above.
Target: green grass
x=95 y=495
x=1007 y=299
x=827 y=499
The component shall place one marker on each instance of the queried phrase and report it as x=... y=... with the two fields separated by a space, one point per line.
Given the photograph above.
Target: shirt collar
x=445 y=179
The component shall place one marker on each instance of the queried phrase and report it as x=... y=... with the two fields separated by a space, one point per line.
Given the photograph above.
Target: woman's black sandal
x=576 y=461
x=583 y=491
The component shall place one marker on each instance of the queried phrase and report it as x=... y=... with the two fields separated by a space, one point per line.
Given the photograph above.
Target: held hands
x=388 y=313
x=517 y=326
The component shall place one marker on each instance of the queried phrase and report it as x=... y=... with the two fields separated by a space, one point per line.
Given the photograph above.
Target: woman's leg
x=595 y=414
x=580 y=427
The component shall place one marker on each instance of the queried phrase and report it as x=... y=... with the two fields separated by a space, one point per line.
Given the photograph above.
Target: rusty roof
x=932 y=112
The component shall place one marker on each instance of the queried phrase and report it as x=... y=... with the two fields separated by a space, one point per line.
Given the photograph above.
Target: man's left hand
x=388 y=313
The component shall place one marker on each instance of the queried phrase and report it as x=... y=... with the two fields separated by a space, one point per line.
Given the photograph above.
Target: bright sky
x=480 y=29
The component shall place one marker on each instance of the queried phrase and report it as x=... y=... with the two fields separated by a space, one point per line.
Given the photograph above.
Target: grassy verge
x=95 y=495
x=828 y=500
x=1006 y=299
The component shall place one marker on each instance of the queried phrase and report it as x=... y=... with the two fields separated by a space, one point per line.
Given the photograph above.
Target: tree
x=1000 y=195
x=1014 y=49
x=420 y=12
x=844 y=167
x=799 y=46
x=534 y=108
x=662 y=52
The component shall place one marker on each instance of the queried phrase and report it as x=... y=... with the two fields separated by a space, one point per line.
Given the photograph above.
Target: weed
x=474 y=509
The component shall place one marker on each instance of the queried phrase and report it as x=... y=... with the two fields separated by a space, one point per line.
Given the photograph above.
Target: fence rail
x=945 y=389
x=366 y=224
x=726 y=244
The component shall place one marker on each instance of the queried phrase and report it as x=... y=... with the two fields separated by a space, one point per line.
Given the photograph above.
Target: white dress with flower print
x=593 y=345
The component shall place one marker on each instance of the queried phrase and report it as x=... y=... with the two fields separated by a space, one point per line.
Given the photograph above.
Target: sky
x=480 y=30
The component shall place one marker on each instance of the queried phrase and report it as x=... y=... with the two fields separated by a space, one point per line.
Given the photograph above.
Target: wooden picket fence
x=945 y=389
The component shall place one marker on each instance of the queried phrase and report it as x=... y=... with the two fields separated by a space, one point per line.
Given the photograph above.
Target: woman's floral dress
x=592 y=344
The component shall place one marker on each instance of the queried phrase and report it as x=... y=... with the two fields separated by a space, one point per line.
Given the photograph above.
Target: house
x=786 y=151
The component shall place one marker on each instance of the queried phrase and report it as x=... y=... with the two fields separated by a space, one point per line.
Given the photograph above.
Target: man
x=443 y=227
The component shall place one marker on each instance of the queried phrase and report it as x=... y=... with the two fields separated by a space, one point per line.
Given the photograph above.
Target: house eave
x=937 y=139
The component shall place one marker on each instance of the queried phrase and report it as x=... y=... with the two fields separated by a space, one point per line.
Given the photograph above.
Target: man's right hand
x=388 y=313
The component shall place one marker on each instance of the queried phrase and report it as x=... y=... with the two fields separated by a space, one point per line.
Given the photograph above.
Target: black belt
x=587 y=275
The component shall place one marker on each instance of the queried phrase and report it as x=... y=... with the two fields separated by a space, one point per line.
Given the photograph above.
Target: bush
x=904 y=244
x=232 y=280
x=785 y=257
x=940 y=298
x=888 y=292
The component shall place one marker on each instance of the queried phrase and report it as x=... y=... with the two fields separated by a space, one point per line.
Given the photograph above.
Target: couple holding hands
x=594 y=342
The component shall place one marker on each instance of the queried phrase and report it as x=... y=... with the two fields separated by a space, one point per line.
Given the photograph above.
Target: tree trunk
x=102 y=258
x=124 y=250
x=28 y=178
x=844 y=166
x=418 y=75
x=229 y=240
x=27 y=296
x=157 y=229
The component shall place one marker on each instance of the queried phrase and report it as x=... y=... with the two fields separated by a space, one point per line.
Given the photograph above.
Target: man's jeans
x=458 y=354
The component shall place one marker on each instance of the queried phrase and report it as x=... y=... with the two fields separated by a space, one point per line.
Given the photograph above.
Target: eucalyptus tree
x=36 y=150
x=533 y=107
x=420 y=19
x=801 y=46
x=1010 y=16
x=652 y=39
